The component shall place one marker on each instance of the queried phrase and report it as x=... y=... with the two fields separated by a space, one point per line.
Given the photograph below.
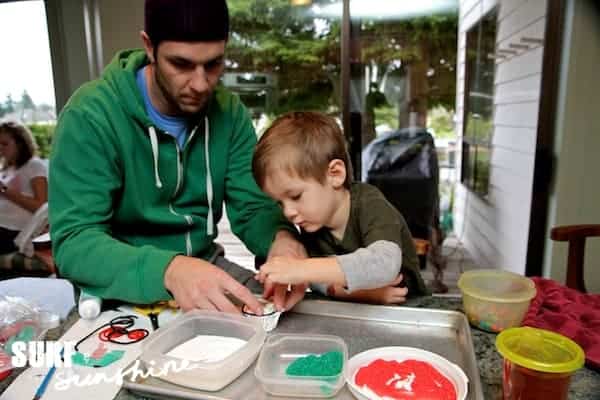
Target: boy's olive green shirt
x=372 y=218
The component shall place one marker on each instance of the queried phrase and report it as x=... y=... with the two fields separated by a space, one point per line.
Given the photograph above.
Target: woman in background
x=23 y=182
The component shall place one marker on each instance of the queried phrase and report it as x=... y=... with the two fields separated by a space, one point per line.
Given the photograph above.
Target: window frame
x=477 y=132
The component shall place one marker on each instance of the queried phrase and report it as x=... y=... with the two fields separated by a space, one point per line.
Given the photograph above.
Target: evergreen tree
x=26 y=101
x=9 y=105
x=303 y=52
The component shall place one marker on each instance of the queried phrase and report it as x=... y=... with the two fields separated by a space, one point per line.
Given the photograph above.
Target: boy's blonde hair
x=302 y=143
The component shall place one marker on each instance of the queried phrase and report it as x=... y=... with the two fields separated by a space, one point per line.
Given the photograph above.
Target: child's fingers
x=261 y=278
x=397 y=281
x=262 y=275
x=269 y=289
x=279 y=295
x=401 y=291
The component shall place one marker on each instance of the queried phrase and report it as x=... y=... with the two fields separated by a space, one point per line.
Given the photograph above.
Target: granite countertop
x=585 y=384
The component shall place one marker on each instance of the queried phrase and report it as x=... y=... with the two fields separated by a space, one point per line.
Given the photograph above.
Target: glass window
x=479 y=104
x=282 y=56
x=26 y=83
x=403 y=63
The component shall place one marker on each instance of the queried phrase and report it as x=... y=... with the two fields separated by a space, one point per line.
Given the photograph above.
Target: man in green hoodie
x=144 y=158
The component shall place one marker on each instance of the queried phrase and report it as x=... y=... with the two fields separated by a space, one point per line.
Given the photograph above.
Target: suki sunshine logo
x=58 y=357
x=40 y=354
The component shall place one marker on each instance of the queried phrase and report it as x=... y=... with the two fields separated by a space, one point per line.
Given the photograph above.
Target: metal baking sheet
x=363 y=327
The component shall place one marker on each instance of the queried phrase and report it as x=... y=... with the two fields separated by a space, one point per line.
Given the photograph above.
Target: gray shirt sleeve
x=371 y=267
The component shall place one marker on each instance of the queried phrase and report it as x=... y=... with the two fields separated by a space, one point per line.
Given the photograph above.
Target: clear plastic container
x=21 y=321
x=23 y=330
x=210 y=376
x=281 y=350
x=538 y=364
x=494 y=299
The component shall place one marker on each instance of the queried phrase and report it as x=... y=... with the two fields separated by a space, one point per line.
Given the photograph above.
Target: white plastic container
x=280 y=350
x=450 y=370
x=210 y=376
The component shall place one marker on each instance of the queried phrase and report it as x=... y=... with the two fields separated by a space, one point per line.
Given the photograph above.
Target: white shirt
x=13 y=216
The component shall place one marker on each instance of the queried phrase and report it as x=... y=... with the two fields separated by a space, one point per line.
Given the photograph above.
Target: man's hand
x=286 y=245
x=196 y=283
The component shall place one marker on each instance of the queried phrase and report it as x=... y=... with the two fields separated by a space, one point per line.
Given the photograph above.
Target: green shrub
x=43 y=136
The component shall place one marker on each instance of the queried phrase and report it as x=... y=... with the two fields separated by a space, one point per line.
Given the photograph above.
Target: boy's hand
x=285 y=270
x=283 y=298
x=285 y=245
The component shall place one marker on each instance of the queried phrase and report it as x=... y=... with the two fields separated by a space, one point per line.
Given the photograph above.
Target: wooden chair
x=576 y=236
x=422 y=246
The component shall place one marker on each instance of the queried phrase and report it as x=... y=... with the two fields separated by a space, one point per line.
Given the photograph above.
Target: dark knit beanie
x=186 y=20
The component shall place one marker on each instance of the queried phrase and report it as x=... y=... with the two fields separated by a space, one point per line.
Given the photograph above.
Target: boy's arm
x=295 y=271
x=371 y=267
x=382 y=258
x=391 y=294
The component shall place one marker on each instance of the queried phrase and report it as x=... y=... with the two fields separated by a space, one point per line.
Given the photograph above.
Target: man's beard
x=171 y=101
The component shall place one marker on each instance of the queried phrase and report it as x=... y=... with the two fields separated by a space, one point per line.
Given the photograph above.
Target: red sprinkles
x=409 y=379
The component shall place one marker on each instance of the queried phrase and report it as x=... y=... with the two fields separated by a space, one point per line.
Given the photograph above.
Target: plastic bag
x=20 y=321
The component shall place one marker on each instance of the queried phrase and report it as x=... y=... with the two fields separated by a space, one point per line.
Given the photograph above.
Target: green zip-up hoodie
x=121 y=207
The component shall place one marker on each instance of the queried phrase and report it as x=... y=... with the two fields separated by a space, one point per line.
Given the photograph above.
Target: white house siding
x=495 y=229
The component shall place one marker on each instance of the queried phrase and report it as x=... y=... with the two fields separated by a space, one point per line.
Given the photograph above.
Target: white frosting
x=207 y=348
x=402 y=384
x=268 y=308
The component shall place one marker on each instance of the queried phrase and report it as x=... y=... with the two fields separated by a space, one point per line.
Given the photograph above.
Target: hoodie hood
x=119 y=74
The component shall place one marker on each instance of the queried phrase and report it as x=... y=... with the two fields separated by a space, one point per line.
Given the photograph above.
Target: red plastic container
x=538 y=364
x=526 y=384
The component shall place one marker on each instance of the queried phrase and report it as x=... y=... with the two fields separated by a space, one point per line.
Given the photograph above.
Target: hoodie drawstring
x=154 y=143
x=209 y=188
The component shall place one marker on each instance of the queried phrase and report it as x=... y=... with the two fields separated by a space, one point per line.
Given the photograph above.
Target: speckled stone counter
x=585 y=384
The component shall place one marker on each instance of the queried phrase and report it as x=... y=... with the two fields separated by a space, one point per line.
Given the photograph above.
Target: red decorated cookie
x=409 y=379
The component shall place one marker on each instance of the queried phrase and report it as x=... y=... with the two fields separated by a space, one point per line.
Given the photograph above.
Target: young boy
x=358 y=242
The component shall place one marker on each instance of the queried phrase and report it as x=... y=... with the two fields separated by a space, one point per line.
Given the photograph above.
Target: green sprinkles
x=326 y=364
